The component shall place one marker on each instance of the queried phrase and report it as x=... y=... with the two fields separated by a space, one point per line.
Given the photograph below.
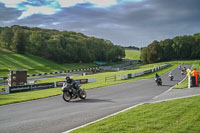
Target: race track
x=54 y=115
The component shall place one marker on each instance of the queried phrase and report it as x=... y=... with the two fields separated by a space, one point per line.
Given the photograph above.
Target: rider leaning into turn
x=157 y=76
x=71 y=82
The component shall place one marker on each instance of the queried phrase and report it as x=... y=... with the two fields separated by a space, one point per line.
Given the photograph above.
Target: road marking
x=174 y=98
x=103 y=118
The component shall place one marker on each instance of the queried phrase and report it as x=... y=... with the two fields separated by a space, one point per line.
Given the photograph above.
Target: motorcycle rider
x=71 y=82
x=157 y=76
x=179 y=67
x=171 y=75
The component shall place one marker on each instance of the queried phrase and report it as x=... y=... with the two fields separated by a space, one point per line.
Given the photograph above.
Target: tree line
x=132 y=47
x=178 y=48
x=61 y=47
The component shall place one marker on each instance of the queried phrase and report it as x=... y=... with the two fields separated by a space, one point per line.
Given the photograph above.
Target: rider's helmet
x=156 y=75
x=67 y=77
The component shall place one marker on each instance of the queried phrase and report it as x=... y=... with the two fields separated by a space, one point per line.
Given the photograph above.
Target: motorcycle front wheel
x=83 y=94
x=66 y=96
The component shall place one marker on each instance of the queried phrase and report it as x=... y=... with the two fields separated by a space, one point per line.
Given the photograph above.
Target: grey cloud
x=133 y=23
x=8 y=14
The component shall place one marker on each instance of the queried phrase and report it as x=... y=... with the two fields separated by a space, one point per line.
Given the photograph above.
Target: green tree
x=143 y=55
x=19 y=41
x=6 y=38
x=153 y=52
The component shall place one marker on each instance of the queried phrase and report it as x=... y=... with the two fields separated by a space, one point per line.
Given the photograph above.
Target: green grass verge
x=34 y=64
x=177 y=116
x=132 y=54
x=29 y=95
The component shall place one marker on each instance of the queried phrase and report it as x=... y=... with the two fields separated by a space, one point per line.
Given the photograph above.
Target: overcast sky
x=124 y=22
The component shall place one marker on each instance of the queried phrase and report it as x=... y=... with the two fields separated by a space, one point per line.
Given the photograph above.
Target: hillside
x=34 y=64
x=59 y=46
x=132 y=54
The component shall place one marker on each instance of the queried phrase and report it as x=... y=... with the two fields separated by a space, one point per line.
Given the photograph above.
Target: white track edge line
x=169 y=99
x=103 y=118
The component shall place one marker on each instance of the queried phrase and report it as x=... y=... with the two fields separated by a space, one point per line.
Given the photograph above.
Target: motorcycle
x=171 y=77
x=158 y=81
x=69 y=92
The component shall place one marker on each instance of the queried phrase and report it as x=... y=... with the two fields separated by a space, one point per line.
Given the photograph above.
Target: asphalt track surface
x=54 y=115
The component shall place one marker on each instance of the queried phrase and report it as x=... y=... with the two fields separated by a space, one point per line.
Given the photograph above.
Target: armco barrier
x=132 y=75
x=6 y=90
x=147 y=71
x=31 y=87
x=51 y=73
x=92 y=80
x=80 y=81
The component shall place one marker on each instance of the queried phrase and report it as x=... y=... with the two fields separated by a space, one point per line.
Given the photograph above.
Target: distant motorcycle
x=182 y=72
x=158 y=81
x=69 y=92
x=171 y=77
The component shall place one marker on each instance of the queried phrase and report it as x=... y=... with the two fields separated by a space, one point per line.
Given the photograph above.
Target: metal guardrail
x=23 y=88
x=67 y=71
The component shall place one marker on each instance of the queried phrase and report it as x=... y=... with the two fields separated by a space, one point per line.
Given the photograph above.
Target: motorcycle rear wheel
x=66 y=96
x=83 y=94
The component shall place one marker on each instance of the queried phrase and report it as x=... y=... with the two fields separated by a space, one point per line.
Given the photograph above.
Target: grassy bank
x=132 y=54
x=177 y=116
x=34 y=64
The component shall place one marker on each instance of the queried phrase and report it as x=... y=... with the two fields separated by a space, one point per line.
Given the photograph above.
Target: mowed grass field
x=132 y=54
x=34 y=64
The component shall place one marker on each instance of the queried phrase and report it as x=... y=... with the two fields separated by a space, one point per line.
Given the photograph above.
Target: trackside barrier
x=92 y=80
x=51 y=73
x=128 y=76
x=31 y=87
x=14 y=89
x=132 y=75
x=4 y=90
x=118 y=77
